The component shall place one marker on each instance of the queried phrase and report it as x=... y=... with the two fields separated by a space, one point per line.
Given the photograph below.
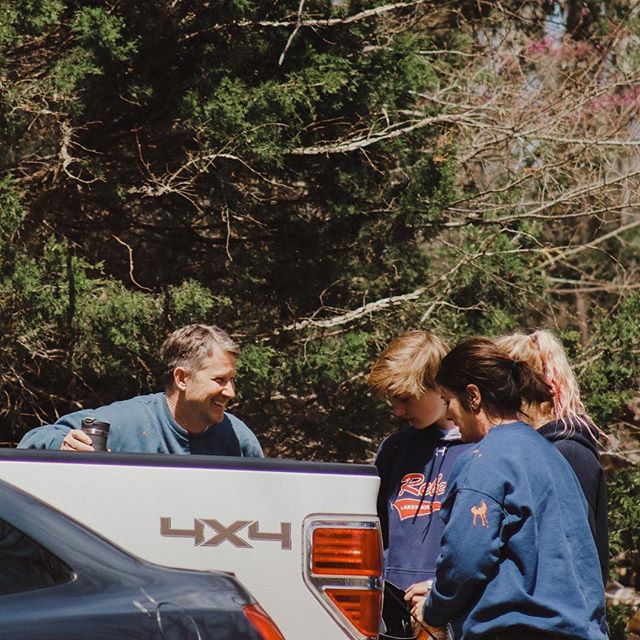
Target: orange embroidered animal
x=480 y=511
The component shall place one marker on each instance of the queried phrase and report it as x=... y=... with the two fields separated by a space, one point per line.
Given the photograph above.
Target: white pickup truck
x=302 y=537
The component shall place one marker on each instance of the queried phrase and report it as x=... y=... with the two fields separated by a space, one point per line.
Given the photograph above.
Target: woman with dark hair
x=518 y=559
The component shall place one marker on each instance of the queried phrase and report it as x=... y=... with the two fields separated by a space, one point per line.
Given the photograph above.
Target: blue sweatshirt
x=144 y=424
x=517 y=551
x=414 y=467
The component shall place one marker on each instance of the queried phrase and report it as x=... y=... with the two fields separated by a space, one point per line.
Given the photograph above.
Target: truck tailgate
x=245 y=516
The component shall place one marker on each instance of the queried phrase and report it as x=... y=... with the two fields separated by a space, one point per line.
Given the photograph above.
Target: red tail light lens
x=261 y=621
x=360 y=606
x=347 y=552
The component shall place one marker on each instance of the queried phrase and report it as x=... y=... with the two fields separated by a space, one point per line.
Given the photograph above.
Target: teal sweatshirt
x=143 y=424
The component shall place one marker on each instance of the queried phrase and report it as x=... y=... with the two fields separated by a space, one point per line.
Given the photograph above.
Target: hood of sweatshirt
x=579 y=430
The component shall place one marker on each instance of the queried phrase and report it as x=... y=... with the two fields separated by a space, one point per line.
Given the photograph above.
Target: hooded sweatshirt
x=576 y=443
x=517 y=552
x=414 y=467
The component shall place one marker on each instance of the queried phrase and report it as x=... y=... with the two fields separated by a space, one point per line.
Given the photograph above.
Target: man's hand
x=76 y=440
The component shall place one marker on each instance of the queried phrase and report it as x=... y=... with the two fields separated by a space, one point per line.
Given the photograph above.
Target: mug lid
x=91 y=423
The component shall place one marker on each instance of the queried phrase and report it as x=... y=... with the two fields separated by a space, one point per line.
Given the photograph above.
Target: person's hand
x=422 y=630
x=76 y=440
x=417 y=605
x=415 y=596
x=418 y=590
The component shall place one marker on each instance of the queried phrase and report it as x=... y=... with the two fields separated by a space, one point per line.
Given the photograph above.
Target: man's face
x=208 y=390
x=419 y=411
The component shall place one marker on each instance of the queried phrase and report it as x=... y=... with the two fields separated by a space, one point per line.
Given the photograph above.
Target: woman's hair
x=544 y=352
x=504 y=383
x=190 y=346
x=408 y=365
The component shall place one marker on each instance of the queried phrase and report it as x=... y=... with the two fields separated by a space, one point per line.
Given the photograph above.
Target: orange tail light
x=263 y=624
x=343 y=568
x=360 y=606
x=346 y=551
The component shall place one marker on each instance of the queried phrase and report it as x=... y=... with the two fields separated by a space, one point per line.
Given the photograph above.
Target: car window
x=25 y=564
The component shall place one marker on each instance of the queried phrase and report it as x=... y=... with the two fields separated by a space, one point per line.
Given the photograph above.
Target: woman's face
x=473 y=424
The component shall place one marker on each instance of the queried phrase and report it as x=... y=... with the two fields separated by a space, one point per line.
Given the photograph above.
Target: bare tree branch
x=394 y=131
x=593 y=243
x=131 y=277
x=330 y=22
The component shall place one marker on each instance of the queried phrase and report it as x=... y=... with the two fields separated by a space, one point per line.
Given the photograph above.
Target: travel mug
x=97 y=431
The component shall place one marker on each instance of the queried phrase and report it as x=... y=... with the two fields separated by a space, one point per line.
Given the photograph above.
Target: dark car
x=61 y=581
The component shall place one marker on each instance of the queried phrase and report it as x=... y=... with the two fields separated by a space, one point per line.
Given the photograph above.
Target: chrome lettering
x=230 y=533
x=284 y=536
x=226 y=533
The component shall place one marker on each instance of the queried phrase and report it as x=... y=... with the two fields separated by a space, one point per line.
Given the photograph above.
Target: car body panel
x=104 y=592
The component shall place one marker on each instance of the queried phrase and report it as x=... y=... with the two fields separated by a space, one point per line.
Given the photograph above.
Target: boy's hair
x=191 y=345
x=408 y=366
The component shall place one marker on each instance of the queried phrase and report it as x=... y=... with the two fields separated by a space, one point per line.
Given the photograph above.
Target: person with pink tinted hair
x=565 y=423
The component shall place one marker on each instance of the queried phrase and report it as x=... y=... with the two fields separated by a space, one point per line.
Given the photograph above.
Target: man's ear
x=474 y=397
x=180 y=375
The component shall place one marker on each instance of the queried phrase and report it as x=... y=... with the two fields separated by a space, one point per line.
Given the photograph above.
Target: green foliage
x=115 y=327
x=332 y=362
x=617 y=617
x=8 y=31
x=12 y=214
x=25 y=18
x=70 y=71
x=260 y=370
x=191 y=301
x=33 y=17
x=624 y=518
x=95 y=28
x=496 y=290
x=611 y=379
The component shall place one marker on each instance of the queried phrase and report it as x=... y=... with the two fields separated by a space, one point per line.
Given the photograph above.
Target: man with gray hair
x=188 y=417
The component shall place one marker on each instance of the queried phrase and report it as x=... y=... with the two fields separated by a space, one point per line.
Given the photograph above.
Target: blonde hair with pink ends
x=543 y=351
x=408 y=365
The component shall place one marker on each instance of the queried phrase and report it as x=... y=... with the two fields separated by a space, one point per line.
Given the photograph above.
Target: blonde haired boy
x=414 y=463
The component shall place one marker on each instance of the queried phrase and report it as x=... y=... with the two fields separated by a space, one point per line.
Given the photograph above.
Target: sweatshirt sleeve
x=249 y=443
x=50 y=436
x=470 y=552
x=251 y=446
